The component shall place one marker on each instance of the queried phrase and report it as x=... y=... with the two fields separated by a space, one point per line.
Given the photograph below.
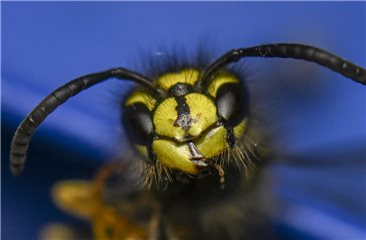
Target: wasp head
x=193 y=125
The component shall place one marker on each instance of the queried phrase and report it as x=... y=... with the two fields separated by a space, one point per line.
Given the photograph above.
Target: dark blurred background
x=318 y=115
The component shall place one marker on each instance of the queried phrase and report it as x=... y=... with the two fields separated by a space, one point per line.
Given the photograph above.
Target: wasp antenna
x=290 y=50
x=26 y=129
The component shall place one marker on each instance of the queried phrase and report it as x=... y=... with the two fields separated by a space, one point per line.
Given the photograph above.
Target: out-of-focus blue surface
x=44 y=45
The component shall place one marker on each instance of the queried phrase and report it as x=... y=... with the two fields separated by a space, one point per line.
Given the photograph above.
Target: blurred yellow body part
x=83 y=199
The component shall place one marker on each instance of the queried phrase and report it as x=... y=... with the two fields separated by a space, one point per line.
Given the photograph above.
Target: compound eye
x=232 y=102
x=138 y=122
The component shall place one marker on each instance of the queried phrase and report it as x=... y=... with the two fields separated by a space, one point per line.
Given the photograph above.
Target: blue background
x=318 y=115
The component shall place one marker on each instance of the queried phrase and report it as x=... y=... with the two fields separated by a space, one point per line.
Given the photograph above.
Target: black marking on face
x=150 y=150
x=180 y=89
x=184 y=119
x=230 y=137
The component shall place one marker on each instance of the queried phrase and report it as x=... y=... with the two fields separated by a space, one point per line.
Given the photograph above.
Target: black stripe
x=184 y=119
x=182 y=107
x=150 y=150
x=230 y=136
x=180 y=89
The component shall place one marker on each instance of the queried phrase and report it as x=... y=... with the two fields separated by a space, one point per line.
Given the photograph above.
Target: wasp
x=197 y=151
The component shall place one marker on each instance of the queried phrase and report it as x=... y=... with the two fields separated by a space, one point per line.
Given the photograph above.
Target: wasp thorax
x=189 y=127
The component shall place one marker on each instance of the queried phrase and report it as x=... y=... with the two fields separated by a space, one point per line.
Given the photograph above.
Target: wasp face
x=191 y=126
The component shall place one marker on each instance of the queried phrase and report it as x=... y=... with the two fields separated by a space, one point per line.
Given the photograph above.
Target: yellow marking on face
x=141 y=149
x=175 y=156
x=164 y=118
x=189 y=76
x=141 y=97
x=219 y=80
x=75 y=197
x=240 y=129
x=203 y=110
x=213 y=143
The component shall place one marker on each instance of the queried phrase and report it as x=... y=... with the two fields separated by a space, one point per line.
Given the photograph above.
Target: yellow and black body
x=197 y=146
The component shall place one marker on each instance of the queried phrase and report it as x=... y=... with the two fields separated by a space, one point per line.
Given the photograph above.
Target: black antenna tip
x=16 y=169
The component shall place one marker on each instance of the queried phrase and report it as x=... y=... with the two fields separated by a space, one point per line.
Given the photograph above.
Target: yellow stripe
x=141 y=97
x=214 y=142
x=219 y=80
x=203 y=110
x=189 y=76
x=241 y=128
x=174 y=156
x=164 y=118
x=141 y=149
